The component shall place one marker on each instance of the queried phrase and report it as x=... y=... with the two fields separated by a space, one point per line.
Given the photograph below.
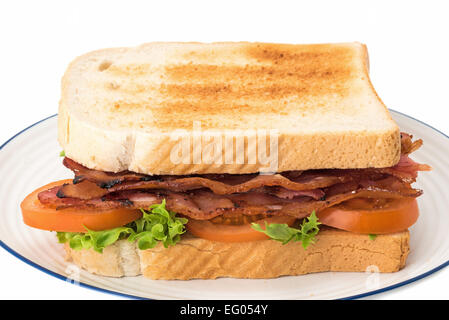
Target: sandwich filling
x=204 y=197
x=225 y=199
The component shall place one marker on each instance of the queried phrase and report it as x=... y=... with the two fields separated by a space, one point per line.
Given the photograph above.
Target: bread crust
x=195 y=258
x=120 y=107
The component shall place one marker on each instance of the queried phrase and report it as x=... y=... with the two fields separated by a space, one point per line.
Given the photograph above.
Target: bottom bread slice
x=195 y=258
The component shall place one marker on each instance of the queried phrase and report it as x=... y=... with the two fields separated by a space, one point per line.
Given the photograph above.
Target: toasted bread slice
x=195 y=258
x=120 y=108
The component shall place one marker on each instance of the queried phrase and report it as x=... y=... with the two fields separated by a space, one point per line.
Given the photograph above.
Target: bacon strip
x=184 y=184
x=82 y=190
x=290 y=194
x=406 y=169
x=407 y=145
x=102 y=178
x=204 y=205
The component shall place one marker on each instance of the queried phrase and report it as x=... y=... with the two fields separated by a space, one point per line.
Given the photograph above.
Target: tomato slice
x=232 y=233
x=373 y=216
x=36 y=215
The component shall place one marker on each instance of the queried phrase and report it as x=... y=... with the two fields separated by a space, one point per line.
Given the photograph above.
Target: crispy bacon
x=82 y=190
x=102 y=178
x=407 y=145
x=306 y=182
x=204 y=205
x=406 y=169
x=290 y=194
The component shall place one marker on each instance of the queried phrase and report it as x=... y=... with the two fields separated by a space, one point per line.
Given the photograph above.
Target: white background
x=407 y=43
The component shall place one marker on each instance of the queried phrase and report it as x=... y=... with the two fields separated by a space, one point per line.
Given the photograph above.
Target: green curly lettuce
x=282 y=232
x=157 y=224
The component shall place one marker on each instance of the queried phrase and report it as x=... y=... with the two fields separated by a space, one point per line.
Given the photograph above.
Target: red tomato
x=36 y=215
x=233 y=233
x=374 y=216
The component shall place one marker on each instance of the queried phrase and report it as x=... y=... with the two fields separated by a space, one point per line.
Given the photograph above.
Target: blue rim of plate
x=85 y=285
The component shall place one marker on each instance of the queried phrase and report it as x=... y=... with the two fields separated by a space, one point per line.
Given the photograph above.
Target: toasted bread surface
x=129 y=108
x=195 y=258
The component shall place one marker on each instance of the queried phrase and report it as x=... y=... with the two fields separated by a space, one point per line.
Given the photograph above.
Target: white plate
x=30 y=160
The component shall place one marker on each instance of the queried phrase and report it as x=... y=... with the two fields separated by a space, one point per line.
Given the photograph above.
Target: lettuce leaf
x=283 y=233
x=157 y=224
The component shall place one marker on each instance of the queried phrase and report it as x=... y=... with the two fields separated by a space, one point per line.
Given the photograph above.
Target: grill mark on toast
x=278 y=79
